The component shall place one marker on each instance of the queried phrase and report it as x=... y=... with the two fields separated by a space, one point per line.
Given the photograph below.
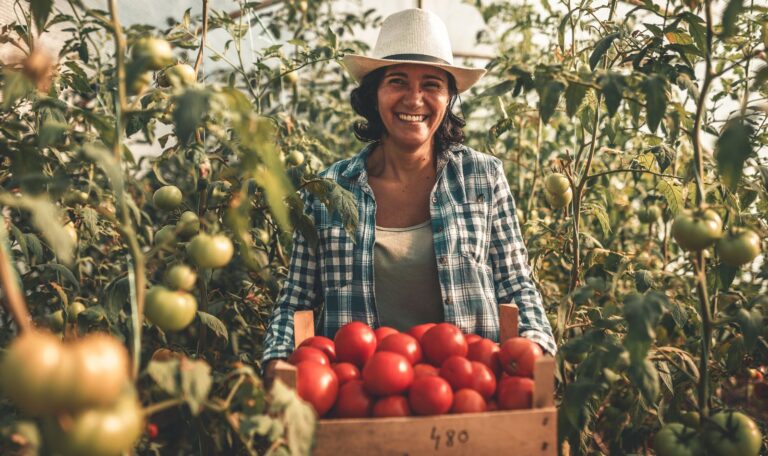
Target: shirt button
x=434 y=199
x=439 y=229
x=443 y=260
x=448 y=300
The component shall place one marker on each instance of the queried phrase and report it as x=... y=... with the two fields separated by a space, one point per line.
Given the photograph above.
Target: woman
x=437 y=220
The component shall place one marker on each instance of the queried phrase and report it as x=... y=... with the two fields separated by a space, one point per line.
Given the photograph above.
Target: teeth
x=411 y=117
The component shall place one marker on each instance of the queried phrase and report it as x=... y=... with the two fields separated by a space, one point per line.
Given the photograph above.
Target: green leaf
x=191 y=107
x=549 y=97
x=498 y=89
x=574 y=95
x=612 y=86
x=41 y=9
x=642 y=314
x=598 y=211
x=64 y=271
x=561 y=29
x=196 y=382
x=646 y=378
x=47 y=218
x=107 y=162
x=655 y=89
x=164 y=373
x=51 y=133
x=302 y=222
x=298 y=418
x=214 y=324
x=730 y=15
x=673 y=194
x=601 y=47
x=15 y=86
x=726 y=275
x=733 y=148
x=664 y=156
x=751 y=325
x=761 y=77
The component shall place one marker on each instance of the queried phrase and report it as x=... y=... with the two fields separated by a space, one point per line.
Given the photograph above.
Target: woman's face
x=412 y=100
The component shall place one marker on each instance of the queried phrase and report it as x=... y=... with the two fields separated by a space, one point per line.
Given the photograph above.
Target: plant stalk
x=14 y=299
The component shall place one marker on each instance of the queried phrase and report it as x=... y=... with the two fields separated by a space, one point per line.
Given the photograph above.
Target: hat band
x=416 y=57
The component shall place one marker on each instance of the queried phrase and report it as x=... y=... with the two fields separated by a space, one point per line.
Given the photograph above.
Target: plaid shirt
x=481 y=257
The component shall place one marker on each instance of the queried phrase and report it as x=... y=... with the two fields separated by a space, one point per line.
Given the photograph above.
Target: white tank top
x=405 y=275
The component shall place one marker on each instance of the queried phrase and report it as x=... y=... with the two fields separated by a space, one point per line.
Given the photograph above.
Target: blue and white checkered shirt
x=481 y=257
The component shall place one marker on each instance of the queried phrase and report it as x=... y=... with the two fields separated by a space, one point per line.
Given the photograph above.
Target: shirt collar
x=356 y=165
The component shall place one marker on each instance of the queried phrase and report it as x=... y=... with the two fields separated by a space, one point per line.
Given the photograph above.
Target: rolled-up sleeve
x=511 y=272
x=299 y=292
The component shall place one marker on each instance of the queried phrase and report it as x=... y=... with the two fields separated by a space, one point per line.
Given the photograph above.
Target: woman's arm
x=511 y=273
x=299 y=292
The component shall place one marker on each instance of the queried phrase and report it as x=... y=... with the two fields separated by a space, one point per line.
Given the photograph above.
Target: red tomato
x=302 y=354
x=430 y=396
x=470 y=338
x=518 y=356
x=317 y=384
x=383 y=332
x=458 y=371
x=353 y=401
x=391 y=406
x=419 y=330
x=355 y=343
x=322 y=343
x=468 y=401
x=424 y=370
x=515 y=393
x=346 y=372
x=485 y=351
x=442 y=341
x=403 y=344
x=387 y=373
x=483 y=380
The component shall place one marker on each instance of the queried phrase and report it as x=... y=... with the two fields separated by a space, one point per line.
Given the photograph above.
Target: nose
x=414 y=97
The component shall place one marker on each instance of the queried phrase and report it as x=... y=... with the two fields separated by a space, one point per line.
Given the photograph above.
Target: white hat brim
x=358 y=66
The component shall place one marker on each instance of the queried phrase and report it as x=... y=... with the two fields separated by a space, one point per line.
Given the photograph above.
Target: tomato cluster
x=430 y=370
x=80 y=389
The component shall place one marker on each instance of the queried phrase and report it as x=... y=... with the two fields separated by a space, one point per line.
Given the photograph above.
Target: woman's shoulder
x=471 y=159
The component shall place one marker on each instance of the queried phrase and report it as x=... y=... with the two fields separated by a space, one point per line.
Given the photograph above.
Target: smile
x=412 y=117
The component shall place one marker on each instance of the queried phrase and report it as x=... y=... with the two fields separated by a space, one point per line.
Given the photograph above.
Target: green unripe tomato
x=74 y=310
x=181 y=277
x=152 y=53
x=108 y=431
x=739 y=246
x=71 y=231
x=56 y=320
x=179 y=75
x=136 y=84
x=557 y=184
x=165 y=235
x=649 y=214
x=167 y=197
x=294 y=158
x=75 y=197
x=675 y=439
x=169 y=310
x=189 y=224
x=732 y=433
x=558 y=200
x=210 y=251
x=27 y=368
x=220 y=191
x=697 y=230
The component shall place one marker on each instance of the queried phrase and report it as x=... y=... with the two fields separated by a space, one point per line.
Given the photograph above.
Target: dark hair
x=364 y=102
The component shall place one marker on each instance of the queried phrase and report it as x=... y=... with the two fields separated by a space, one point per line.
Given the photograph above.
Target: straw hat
x=413 y=36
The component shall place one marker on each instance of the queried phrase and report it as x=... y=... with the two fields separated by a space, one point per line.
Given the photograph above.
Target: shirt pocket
x=335 y=256
x=472 y=222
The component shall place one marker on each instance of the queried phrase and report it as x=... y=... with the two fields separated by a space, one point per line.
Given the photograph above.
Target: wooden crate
x=518 y=432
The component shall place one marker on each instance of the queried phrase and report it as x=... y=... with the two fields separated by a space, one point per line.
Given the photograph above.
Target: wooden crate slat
x=508 y=318
x=524 y=432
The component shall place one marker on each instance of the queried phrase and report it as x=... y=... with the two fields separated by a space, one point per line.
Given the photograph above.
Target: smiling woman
x=438 y=239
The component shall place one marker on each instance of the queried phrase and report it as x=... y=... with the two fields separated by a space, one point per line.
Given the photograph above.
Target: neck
x=404 y=164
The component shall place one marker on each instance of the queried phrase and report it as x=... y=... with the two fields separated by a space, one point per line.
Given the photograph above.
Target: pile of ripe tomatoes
x=430 y=370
